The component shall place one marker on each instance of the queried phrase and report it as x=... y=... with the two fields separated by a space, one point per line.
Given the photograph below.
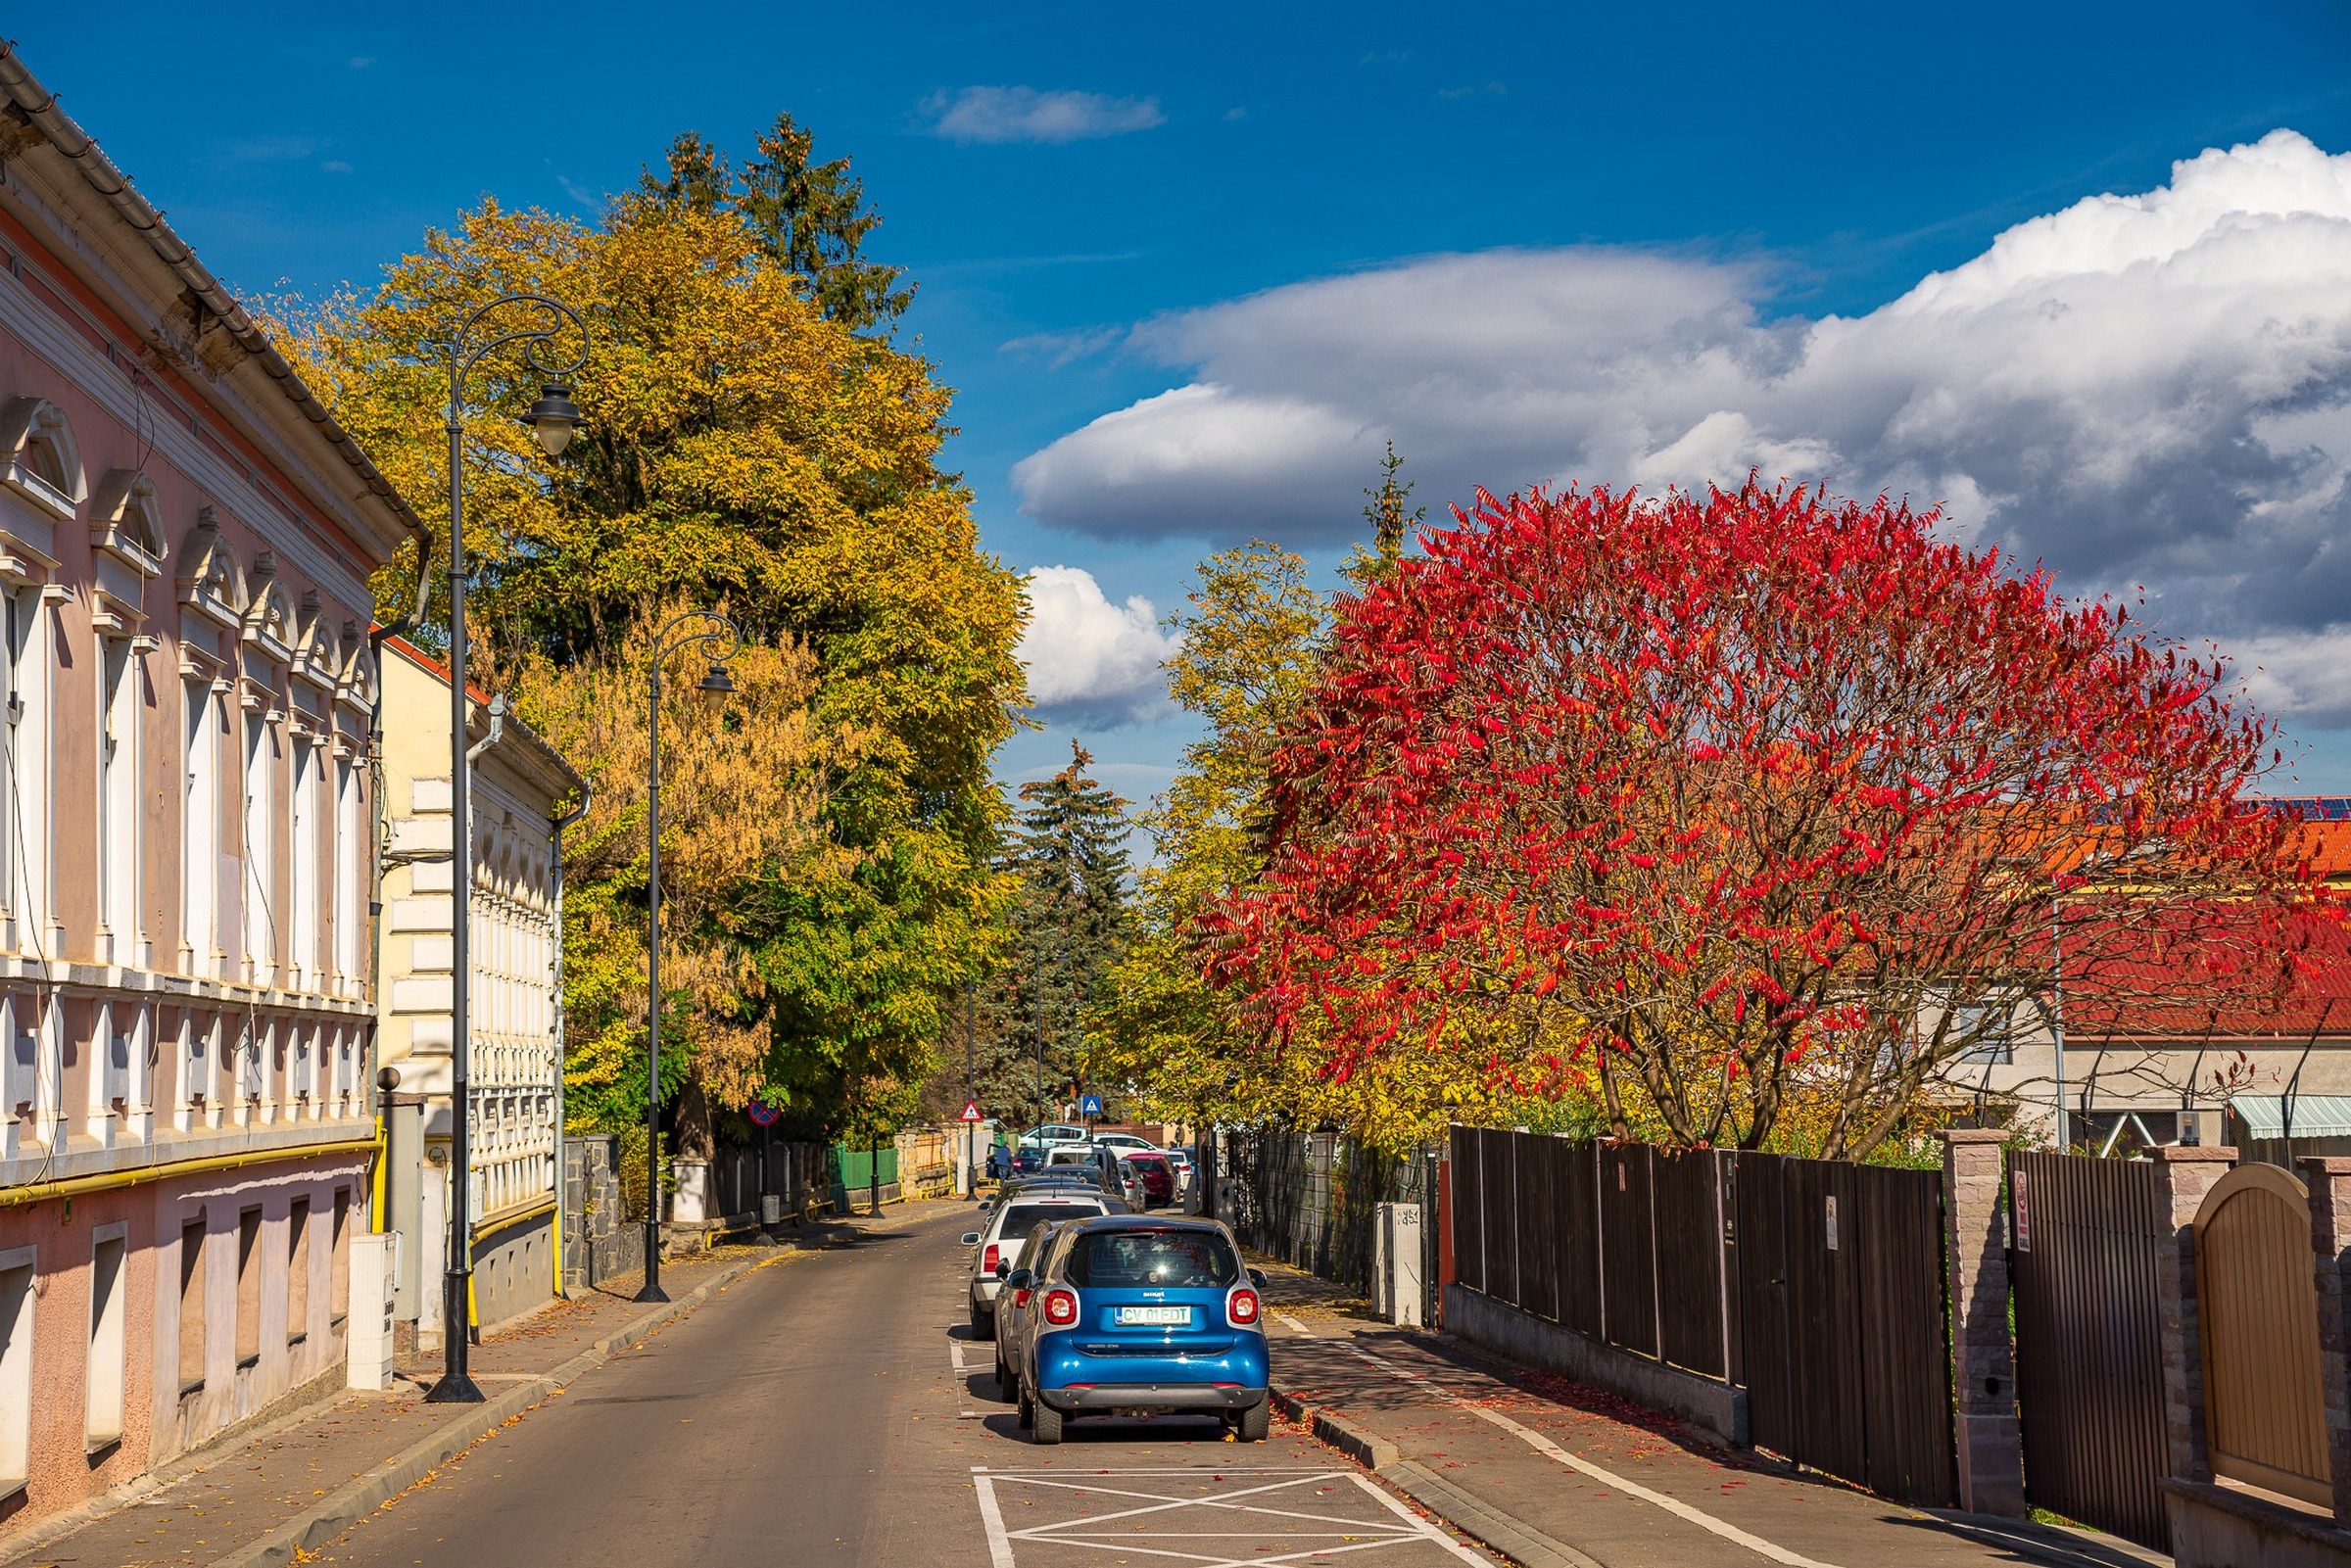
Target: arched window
x=39 y=458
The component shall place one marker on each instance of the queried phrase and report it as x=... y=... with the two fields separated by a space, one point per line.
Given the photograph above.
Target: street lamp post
x=553 y=417
x=716 y=685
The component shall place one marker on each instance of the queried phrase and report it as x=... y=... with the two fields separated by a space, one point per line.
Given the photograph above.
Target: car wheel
x=1256 y=1421
x=1027 y=1409
x=1047 y=1425
x=983 y=1324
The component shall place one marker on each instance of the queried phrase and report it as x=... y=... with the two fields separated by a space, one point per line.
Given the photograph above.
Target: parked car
x=1186 y=1171
x=1136 y=1317
x=1123 y=1141
x=1115 y=1178
x=1052 y=1133
x=1014 y=1319
x=1151 y=1168
x=1066 y=1178
x=997 y=1245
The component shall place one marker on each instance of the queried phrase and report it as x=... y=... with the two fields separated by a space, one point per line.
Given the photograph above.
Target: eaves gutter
x=39 y=106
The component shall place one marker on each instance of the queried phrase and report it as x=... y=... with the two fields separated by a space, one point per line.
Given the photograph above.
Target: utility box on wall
x=1398 y=1292
x=374 y=1280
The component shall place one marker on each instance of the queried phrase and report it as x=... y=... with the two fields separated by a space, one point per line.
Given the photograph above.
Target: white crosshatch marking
x=1167 y=1515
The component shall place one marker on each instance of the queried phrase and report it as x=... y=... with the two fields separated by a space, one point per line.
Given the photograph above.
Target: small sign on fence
x=2023 y=1215
x=1832 y=1221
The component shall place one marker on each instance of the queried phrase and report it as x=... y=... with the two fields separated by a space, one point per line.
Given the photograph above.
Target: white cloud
x=1031 y=115
x=2151 y=389
x=1091 y=661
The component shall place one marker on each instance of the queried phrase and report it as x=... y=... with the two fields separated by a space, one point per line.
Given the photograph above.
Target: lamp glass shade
x=554 y=417
x=717 y=685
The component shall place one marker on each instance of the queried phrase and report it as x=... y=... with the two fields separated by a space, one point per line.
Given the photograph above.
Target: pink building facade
x=186 y=827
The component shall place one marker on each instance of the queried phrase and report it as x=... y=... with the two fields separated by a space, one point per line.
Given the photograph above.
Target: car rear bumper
x=983 y=1294
x=1151 y=1397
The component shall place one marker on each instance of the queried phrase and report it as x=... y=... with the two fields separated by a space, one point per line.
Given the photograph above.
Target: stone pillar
x=2329 y=1180
x=2183 y=1175
x=1992 y=1462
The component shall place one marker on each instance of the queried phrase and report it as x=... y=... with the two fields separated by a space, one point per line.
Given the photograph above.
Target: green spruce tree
x=1071 y=924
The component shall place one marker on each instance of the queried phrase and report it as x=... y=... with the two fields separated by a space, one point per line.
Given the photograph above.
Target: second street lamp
x=551 y=419
x=715 y=685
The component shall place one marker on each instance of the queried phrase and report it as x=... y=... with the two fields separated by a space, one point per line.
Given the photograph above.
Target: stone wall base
x=2223 y=1527
x=1717 y=1409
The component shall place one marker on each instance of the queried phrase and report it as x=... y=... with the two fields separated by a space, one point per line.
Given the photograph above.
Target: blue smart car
x=1135 y=1316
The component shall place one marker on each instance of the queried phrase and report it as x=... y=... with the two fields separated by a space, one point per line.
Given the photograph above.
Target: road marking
x=1393 y=1525
x=991 y=1519
x=1608 y=1477
x=1295 y=1326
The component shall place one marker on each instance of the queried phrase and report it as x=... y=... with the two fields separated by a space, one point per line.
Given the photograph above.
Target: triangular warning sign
x=971 y=1111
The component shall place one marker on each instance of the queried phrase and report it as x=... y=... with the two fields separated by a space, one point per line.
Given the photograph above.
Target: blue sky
x=1188 y=269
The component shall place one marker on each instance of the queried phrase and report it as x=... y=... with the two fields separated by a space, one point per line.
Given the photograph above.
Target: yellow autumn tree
x=750 y=436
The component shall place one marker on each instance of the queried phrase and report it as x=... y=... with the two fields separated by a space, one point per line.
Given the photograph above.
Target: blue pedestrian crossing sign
x=1091 y=1106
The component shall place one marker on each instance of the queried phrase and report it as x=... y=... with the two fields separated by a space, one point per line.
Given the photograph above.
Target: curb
x=1373 y=1454
x=338 y=1512
x=1515 y=1538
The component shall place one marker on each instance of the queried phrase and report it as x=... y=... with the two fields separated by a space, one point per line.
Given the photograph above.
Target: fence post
x=2328 y=1177
x=1991 y=1444
x=2183 y=1175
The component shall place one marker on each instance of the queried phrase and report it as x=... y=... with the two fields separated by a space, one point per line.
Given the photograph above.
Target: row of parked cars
x=1133 y=1168
x=1099 y=1310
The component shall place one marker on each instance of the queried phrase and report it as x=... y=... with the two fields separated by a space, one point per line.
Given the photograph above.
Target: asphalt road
x=815 y=1414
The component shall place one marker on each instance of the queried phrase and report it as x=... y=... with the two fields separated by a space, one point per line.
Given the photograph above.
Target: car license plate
x=1154 y=1317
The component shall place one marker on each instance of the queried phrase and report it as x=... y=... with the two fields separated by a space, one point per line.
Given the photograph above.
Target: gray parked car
x=996 y=1248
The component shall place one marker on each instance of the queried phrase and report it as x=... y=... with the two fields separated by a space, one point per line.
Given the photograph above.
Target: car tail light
x=1020 y=1298
x=1060 y=1307
x=987 y=1259
x=1242 y=1308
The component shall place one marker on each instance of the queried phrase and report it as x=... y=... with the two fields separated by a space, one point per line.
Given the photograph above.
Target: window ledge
x=11 y=1490
x=334 y=1324
x=293 y=1340
x=246 y=1363
x=191 y=1385
x=92 y=1448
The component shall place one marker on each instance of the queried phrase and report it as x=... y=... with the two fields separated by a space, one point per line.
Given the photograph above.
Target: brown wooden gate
x=1842 y=1314
x=2086 y=1235
x=2257 y=1298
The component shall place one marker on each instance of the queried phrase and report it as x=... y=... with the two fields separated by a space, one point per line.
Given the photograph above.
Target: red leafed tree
x=1750 y=802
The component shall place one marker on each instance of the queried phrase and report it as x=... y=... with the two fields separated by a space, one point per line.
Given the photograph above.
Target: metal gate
x=1847 y=1346
x=2086 y=1236
x=2257 y=1298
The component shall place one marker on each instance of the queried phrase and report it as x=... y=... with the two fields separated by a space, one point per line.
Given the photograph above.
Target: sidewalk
x=1554 y=1475
x=301 y=1480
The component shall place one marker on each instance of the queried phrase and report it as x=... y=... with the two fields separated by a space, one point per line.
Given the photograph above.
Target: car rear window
x=1175 y=1260
x=1020 y=1217
x=1155 y=1162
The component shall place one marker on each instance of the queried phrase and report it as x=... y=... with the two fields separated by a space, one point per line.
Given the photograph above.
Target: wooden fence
x=1815 y=1285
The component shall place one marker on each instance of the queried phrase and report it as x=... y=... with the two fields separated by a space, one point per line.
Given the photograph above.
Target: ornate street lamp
x=715 y=686
x=552 y=419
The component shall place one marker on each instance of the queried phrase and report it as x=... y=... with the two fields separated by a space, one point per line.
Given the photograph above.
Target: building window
x=102 y=1424
x=16 y=1370
x=298 y=1271
x=118 y=802
x=191 y=1305
x=351 y=878
x=24 y=754
x=338 y=1274
x=200 y=829
x=303 y=843
x=260 y=950
x=249 y=1288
